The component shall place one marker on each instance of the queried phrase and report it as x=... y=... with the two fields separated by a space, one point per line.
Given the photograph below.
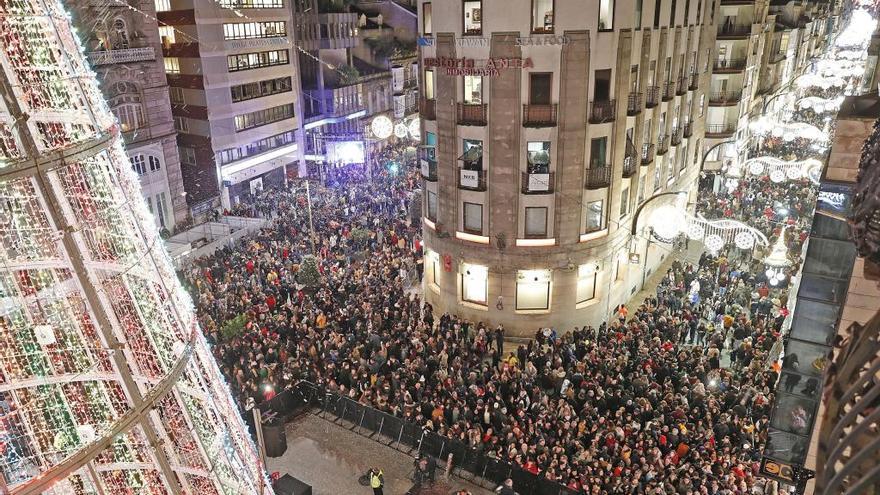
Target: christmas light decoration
x=714 y=243
x=415 y=129
x=401 y=130
x=779 y=170
x=108 y=386
x=382 y=127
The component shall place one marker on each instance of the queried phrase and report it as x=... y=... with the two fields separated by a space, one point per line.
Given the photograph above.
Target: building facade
x=124 y=49
x=109 y=386
x=546 y=126
x=233 y=77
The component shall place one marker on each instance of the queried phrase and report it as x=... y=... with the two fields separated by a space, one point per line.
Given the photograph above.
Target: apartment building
x=546 y=126
x=124 y=49
x=232 y=70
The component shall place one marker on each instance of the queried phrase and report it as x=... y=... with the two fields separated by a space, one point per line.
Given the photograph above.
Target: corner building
x=546 y=125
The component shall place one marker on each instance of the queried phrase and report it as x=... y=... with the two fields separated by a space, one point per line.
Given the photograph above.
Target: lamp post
x=713 y=147
x=633 y=255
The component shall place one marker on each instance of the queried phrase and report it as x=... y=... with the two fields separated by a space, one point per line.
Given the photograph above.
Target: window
x=532 y=289
x=176 y=95
x=658 y=173
x=473 y=90
x=250 y=30
x=172 y=65
x=475 y=284
x=699 y=11
x=163 y=5
x=602 y=86
x=130 y=116
x=540 y=88
x=138 y=164
x=263 y=117
x=248 y=61
x=432 y=268
x=702 y=104
x=672 y=9
x=473 y=154
x=429 y=84
x=542 y=16
x=606 y=15
x=251 y=4
x=260 y=89
x=598 y=147
x=473 y=218
x=155 y=164
x=161 y=211
x=427 y=19
x=595 y=217
x=586 y=284
x=536 y=222
x=640 y=194
x=624 y=202
x=180 y=124
x=120 y=35
x=687 y=11
x=619 y=269
x=637 y=19
x=255 y=148
x=473 y=17
x=657 y=5
x=538 y=157
x=187 y=155
x=166 y=34
x=432 y=205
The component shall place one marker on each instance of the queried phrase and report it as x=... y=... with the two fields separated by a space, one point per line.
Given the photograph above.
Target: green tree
x=308 y=272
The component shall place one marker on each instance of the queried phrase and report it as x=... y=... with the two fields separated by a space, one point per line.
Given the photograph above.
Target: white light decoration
x=777 y=176
x=382 y=127
x=744 y=240
x=97 y=401
x=401 y=130
x=756 y=168
x=779 y=170
x=714 y=243
x=794 y=173
x=696 y=232
x=415 y=129
x=667 y=221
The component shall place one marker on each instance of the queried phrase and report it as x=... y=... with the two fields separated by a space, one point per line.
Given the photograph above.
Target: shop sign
x=475 y=67
x=543 y=40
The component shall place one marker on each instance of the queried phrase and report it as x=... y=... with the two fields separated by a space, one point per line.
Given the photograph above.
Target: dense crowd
x=671 y=398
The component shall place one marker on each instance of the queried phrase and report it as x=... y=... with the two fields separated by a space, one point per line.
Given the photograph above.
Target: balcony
x=724 y=98
x=598 y=177
x=472 y=180
x=633 y=104
x=676 y=136
x=652 y=96
x=629 y=164
x=428 y=109
x=333 y=102
x=122 y=56
x=602 y=111
x=647 y=153
x=429 y=169
x=694 y=82
x=662 y=145
x=539 y=115
x=682 y=86
x=734 y=31
x=777 y=57
x=720 y=130
x=729 y=66
x=668 y=91
x=471 y=114
x=538 y=183
x=688 y=129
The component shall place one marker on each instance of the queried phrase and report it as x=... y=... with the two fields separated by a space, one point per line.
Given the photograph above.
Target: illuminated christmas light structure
x=107 y=385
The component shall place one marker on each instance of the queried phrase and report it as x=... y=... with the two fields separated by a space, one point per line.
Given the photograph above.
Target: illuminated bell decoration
x=744 y=240
x=401 y=130
x=415 y=129
x=777 y=176
x=696 y=232
x=714 y=242
x=382 y=127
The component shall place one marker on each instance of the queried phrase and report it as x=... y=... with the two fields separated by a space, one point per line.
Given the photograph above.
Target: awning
x=473 y=154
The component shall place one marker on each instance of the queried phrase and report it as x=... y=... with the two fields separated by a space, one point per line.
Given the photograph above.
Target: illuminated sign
x=777 y=470
x=543 y=40
x=473 y=67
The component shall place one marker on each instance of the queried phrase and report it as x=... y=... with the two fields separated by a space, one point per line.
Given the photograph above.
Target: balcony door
x=602 y=86
x=540 y=88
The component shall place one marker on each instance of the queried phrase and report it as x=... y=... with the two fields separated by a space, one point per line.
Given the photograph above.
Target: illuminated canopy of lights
x=858 y=32
x=108 y=385
x=787 y=131
x=382 y=127
x=669 y=221
x=819 y=104
x=816 y=80
x=794 y=170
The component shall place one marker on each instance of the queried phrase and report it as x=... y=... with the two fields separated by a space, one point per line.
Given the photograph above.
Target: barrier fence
x=399 y=434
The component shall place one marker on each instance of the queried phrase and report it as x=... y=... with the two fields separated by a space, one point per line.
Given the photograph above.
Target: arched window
x=120 y=35
x=130 y=116
x=155 y=164
x=138 y=165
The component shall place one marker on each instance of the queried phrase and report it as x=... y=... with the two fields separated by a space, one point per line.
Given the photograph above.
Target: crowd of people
x=673 y=397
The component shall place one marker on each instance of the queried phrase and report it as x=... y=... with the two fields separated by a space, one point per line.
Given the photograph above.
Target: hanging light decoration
x=714 y=243
x=415 y=129
x=744 y=240
x=696 y=231
x=382 y=127
x=777 y=176
x=401 y=130
x=777 y=262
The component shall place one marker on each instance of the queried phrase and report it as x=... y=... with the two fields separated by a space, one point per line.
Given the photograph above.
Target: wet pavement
x=330 y=458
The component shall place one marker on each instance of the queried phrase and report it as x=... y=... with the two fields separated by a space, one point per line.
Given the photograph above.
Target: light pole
x=706 y=154
x=635 y=223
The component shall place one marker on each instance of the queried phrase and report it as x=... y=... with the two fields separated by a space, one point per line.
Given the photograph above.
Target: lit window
x=595 y=216
x=473 y=218
x=586 y=284
x=475 y=284
x=533 y=289
x=473 y=90
x=166 y=34
x=130 y=115
x=429 y=84
x=536 y=222
x=432 y=205
x=427 y=19
x=172 y=65
x=542 y=16
x=538 y=157
x=606 y=15
x=163 y=5
x=432 y=268
x=473 y=17
x=177 y=97
x=250 y=30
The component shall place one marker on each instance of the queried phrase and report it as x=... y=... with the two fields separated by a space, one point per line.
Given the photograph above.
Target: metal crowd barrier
x=404 y=436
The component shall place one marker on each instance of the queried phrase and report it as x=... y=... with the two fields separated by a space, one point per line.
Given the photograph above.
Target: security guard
x=377 y=480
